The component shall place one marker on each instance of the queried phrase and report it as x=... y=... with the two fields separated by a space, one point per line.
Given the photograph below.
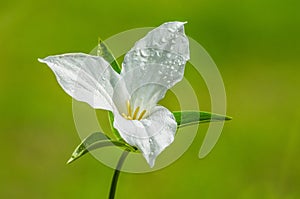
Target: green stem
x=114 y=182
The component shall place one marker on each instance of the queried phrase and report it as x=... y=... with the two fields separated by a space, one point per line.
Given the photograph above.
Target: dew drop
x=172 y=67
x=163 y=40
x=168 y=55
x=98 y=52
x=155 y=43
x=158 y=53
x=159 y=72
x=137 y=53
x=143 y=66
x=171 y=30
x=144 y=53
x=147 y=123
x=103 y=78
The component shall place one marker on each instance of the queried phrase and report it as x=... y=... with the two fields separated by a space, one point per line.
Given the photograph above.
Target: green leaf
x=111 y=122
x=95 y=141
x=186 y=118
x=106 y=53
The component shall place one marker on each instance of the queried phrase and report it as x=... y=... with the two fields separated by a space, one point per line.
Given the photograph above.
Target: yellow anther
x=129 y=115
x=136 y=112
x=128 y=108
x=142 y=114
x=124 y=115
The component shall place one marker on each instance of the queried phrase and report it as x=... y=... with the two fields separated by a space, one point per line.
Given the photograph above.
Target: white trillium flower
x=150 y=68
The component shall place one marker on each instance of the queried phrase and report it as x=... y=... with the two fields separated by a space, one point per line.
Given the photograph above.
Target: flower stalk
x=114 y=182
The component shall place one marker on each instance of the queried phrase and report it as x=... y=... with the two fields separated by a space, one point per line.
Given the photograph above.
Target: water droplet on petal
x=159 y=72
x=144 y=53
x=147 y=123
x=155 y=43
x=168 y=55
x=103 y=78
x=158 y=53
x=137 y=52
x=163 y=40
x=171 y=30
x=143 y=66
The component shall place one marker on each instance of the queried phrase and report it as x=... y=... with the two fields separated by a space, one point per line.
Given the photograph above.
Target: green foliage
x=98 y=140
x=106 y=53
x=111 y=122
x=186 y=118
x=95 y=141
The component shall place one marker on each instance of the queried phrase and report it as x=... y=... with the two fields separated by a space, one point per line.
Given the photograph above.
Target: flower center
x=135 y=115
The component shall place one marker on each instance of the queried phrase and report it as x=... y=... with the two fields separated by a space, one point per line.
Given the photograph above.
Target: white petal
x=156 y=63
x=85 y=77
x=150 y=135
x=167 y=38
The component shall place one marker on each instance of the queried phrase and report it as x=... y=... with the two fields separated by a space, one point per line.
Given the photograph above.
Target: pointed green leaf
x=88 y=141
x=95 y=141
x=111 y=122
x=185 y=118
x=106 y=53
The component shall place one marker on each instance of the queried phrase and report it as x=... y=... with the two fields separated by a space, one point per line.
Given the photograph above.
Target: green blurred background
x=256 y=47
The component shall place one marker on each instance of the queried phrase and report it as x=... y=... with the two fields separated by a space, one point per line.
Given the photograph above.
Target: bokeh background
x=255 y=44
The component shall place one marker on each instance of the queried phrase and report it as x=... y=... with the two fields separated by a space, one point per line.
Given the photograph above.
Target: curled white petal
x=84 y=77
x=167 y=38
x=150 y=135
x=155 y=64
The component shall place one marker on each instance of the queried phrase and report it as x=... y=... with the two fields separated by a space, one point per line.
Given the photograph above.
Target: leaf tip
x=70 y=160
x=228 y=118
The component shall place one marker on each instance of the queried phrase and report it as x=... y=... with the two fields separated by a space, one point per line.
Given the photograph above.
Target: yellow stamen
x=129 y=115
x=142 y=114
x=128 y=108
x=124 y=115
x=136 y=112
